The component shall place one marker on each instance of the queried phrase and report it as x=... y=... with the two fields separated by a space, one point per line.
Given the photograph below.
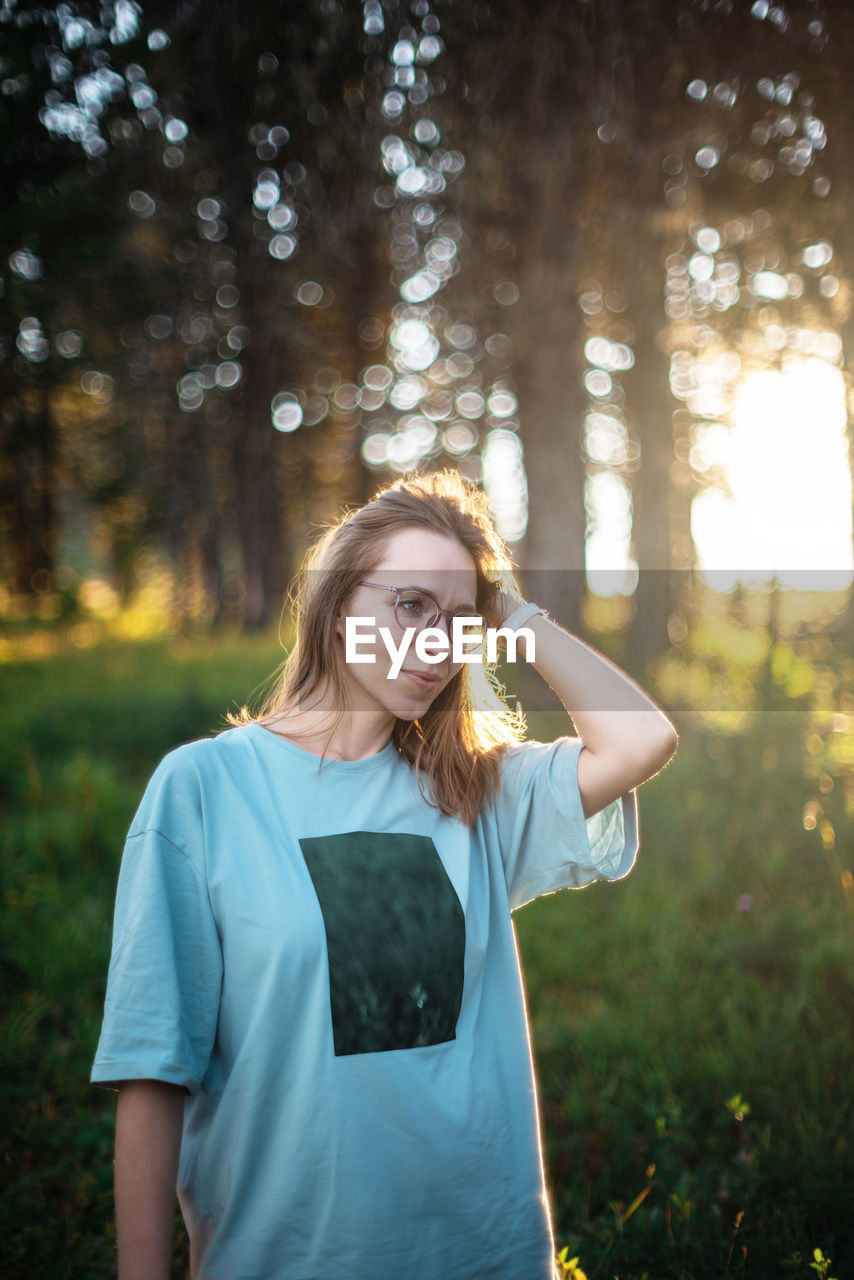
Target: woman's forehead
x=423 y=552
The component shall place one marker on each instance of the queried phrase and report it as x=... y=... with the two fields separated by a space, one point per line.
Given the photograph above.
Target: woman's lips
x=421 y=679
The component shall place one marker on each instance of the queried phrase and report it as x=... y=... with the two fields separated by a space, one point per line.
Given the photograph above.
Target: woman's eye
x=412 y=605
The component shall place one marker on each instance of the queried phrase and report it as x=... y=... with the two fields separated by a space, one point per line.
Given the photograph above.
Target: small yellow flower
x=570 y=1268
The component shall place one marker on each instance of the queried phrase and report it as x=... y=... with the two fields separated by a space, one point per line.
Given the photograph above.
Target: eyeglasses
x=414 y=608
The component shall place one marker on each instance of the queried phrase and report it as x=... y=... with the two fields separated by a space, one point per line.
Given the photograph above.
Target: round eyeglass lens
x=414 y=609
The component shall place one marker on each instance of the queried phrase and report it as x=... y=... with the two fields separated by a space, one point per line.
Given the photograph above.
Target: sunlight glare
x=608 y=562
x=787 y=513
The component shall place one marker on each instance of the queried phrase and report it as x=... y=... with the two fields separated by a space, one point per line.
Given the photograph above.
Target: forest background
x=258 y=259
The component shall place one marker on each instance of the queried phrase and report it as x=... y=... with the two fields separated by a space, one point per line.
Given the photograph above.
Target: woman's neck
x=350 y=735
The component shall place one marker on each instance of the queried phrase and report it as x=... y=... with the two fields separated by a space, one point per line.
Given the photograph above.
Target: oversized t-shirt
x=328 y=965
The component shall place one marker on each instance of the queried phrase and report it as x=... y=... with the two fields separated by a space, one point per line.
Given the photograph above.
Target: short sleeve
x=165 y=977
x=546 y=842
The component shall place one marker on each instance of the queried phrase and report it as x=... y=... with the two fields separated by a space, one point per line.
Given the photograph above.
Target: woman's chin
x=410 y=703
x=411 y=708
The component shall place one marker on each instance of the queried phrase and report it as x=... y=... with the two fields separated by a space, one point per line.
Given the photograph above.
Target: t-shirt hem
x=109 y=1075
x=610 y=865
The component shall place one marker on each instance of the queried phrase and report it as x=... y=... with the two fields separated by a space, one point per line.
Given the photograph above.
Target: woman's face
x=419 y=559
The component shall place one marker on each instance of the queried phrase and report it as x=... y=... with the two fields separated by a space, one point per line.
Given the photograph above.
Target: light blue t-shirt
x=328 y=965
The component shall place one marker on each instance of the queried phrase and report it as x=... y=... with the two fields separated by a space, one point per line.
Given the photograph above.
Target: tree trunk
x=258 y=497
x=254 y=446
x=551 y=407
x=651 y=413
x=33 y=500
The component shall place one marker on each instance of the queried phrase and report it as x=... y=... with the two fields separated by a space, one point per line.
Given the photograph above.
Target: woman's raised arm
x=626 y=737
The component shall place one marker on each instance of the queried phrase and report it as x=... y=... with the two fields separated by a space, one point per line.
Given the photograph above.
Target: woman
x=315 y=1016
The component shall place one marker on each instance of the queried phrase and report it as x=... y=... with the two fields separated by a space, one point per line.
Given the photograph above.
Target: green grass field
x=692 y=1026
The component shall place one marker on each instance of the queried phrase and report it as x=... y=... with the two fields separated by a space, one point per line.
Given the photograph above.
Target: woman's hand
x=506 y=603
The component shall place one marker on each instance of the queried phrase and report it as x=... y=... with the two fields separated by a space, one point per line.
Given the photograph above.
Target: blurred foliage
x=344 y=240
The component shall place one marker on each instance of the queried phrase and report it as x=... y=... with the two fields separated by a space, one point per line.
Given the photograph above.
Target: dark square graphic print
x=395 y=934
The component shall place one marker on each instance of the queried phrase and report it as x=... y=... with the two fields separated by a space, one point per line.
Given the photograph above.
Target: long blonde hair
x=456 y=745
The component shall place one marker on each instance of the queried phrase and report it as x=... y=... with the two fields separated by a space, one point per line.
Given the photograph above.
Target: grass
x=693 y=1038
x=692 y=1025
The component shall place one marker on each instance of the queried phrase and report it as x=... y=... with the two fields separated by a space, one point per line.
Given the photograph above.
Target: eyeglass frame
x=440 y=613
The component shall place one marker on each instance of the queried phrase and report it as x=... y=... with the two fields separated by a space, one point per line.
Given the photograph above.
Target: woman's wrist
x=522 y=613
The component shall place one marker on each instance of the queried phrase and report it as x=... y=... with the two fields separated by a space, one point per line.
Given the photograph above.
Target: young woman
x=315 y=1016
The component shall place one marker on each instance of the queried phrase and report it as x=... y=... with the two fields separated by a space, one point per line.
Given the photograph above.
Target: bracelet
x=521 y=614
